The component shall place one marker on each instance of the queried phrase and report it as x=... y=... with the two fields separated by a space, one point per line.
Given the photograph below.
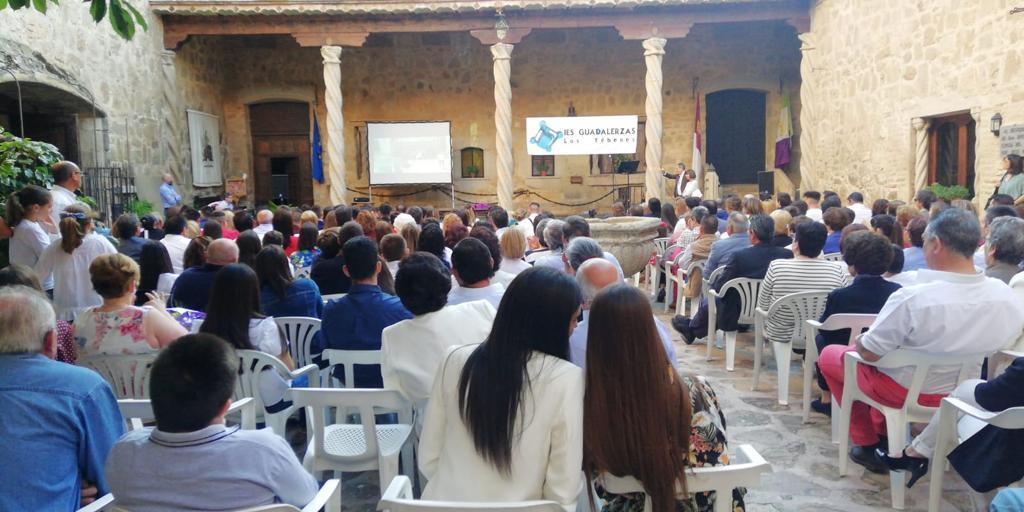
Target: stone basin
x=629 y=239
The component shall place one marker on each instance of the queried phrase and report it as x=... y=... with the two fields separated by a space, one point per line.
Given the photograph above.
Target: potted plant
x=472 y=171
x=949 y=193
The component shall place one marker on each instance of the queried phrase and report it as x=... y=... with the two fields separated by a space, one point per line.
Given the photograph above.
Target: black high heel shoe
x=916 y=466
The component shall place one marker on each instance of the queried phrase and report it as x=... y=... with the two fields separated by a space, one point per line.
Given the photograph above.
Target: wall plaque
x=1011 y=139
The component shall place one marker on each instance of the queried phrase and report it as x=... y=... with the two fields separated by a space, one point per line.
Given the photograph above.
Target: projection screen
x=402 y=153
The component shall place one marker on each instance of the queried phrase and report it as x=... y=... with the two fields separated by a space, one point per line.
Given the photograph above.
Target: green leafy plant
x=24 y=162
x=139 y=207
x=473 y=171
x=122 y=15
x=949 y=192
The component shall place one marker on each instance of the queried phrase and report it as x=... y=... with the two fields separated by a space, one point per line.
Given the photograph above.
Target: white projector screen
x=404 y=153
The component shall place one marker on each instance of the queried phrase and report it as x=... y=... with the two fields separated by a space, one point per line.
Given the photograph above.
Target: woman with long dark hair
x=642 y=418
x=432 y=240
x=669 y=219
x=1012 y=183
x=280 y=294
x=283 y=224
x=249 y=245
x=306 y=252
x=505 y=420
x=889 y=227
x=155 y=271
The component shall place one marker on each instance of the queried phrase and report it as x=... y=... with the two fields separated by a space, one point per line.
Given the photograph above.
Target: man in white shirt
x=593 y=276
x=411 y=350
x=67 y=178
x=191 y=460
x=861 y=213
x=813 y=200
x=473 y=269
x=175 y=242
x=952 y=310
x=264 y=223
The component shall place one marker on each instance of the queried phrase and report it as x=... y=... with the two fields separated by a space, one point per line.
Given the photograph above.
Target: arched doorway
x=281 y=153
x=50 y=115
x=736 y=131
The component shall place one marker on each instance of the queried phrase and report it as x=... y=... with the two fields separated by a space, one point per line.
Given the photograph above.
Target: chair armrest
x=308 y=370
x=758 y=312
x=247 y=408
x=399 y=489
x=101 y=503
x=810 y=334
x=746 y=454
x=331 y=491
x=713 y=293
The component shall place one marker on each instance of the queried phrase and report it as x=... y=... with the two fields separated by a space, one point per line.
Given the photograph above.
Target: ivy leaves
x=123 y=16
x=24 y=162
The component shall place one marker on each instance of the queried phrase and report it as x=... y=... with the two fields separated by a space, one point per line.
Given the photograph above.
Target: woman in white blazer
x=505 y=417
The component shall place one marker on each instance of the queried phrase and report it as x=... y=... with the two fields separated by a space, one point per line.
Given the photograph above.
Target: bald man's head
x=265 y=217
x=595 y=275
x=222 y=252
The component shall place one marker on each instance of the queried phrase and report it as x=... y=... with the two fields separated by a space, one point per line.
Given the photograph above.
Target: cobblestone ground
x=805 y=473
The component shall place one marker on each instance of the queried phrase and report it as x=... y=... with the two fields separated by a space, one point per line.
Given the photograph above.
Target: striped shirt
x=785 y=277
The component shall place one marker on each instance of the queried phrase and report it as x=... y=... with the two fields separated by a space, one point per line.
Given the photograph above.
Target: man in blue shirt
x=59 y=421
x=722 y=250
x=169 y=196
x=835 y=220
x=355 y=321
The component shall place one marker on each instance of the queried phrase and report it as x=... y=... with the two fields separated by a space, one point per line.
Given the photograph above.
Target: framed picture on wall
x=204 y=142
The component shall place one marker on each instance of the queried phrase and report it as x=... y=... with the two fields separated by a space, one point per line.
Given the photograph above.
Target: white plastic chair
x=897 y=421
x=834 y=256
x=105 y=502
x=348 y=359
x=950 y=412
x=745 y=471
x=327 y=499
x=653 y=271
x=679 y=279
x=355 y=447
x=399 y=498
x=128 y=376
x=801 y=306
x=748 y=289
x=705 y=285
x=300 y=331
x=136 y=411
x=332 y=296
x=998 y=360
x=251 y=364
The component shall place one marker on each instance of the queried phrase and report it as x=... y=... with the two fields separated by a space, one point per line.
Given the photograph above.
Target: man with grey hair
x=736 y=239
x=1004 y=248
x=553 y=238
x=265 y=223
x=593 y=276
x=952 y=310
x=581 y=249
x=59 y=421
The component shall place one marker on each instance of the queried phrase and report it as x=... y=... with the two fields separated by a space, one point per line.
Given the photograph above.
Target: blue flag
x=316 y=157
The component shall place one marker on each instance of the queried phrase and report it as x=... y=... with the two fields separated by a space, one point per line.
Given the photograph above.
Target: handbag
x=990 y=458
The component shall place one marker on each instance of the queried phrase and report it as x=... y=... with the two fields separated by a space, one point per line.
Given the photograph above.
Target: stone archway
x=50 y=115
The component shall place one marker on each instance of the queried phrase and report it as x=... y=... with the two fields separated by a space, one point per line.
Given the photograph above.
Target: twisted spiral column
x=172 y=139
x=335 y=123
x=502 y=54
x=808 y=156
x=654 y=51
x=920 y=154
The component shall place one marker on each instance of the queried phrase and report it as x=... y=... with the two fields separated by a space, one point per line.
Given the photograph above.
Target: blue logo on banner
x=546 y=137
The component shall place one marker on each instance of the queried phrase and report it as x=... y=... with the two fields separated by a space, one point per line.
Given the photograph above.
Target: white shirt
x=215 y=468
x=165 y=282
x=578 y=342
x=547 y=445
x=514 y=267
x=861 y=213
x=692 y=189
x=222 y=205
x=814 y=214
x=72 y=288
x=176 y=245
x=262 y=229
x=946 y=313
x=411 y=350
x=27 y=245
x=393 y=267
x=491 y=294
x=62 y=198
x=526 y=226
x=501 y=277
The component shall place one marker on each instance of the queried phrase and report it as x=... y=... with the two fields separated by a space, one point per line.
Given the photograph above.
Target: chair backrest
x=399 y=498
x=660 y=245
x=300 y=332
x=855 y=322
x=835 y=256
x=137 y=411
x=349 y=359
x=708 y=279
x=368 y=402
x=695 y=264
x=745 y=472
x=802 y=306
x=922 y=363
x=747 y=288
x=250 y=364
x=128 y=376
x=332 y=296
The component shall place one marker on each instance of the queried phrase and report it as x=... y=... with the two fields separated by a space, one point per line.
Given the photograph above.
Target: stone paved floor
x=805 y=477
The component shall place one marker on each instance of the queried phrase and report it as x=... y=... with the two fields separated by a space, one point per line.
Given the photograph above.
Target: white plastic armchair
x=856 y=323
x=653 y=271
x=251 y=364
x=136 y=411
x=399 y=498
x=105 y=502
x=745 y=471
x=951 y=412
x=348 y=359
x=897 y=420
x=680 y=279
x=300 y=331
x=801 y=307
x=332 y=296
x=355 y=447
x=997 y=361
x=328 y=499
x=747 y=289
x=128 y=376
x=834 y=256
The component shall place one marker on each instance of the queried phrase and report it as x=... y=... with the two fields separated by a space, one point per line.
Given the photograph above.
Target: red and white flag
x=697 y=164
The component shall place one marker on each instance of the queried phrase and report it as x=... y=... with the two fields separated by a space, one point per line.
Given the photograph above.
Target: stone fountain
x=630 y=239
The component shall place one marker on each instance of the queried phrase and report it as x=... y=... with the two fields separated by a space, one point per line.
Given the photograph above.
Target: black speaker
x=766 y=183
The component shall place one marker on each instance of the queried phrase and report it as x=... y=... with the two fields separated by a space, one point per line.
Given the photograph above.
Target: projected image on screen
x=409 y=153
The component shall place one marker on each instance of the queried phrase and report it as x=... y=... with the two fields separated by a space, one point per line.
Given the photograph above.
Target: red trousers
x=866 y=423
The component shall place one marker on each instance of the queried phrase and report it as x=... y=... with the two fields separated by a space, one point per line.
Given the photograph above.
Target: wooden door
x=280 y=144
x=951 y=141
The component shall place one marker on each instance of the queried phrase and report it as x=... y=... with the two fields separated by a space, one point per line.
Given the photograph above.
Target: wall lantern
x=997 y=124
x=501 y=26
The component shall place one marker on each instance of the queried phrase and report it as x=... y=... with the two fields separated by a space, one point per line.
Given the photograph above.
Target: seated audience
x=432 y=240
x=813 y=199
x=1004 y=248
x=118 y=326
x=513 y=248
x=575 y=226
x=473 y=270
x=677 y=417
x=411 y=233
x=264 y=223
x=382 y=229
x=913 y=256
x=192 y=288
x=505 y=418
x=249 y=245
x=355 y=321
x=175 y=242
x=486 y=234
x=453 y=236
x=931 y=317
x=152 y=227
x=195 y=254
x=212 y=231
x=737 y=239
x=68 y=258
x=15 y=275
x=226 y=220
x=499 y=217
x=700 y=248
x=155 y=272
x=552 y=234
x=923 y=200
x=805 y=272
x=306 y=251
x=830 y=200
x=191 y=460
x=887 y=226
x=592 y=276
x=412 y=350
x=579 y=250
x=879 y=207
x=782 y=218
x=861 y=213
x=328 y=270
x=282 y=295
x=283 y=224
x=368 y=222
x=392 y=248
x=835 y=220
x=59 y=420
x=129 y=243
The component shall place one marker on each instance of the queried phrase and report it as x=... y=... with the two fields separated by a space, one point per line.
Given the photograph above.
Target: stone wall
x=904 y=60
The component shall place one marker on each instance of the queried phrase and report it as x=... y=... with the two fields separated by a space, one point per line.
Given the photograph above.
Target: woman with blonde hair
x=118 y=326
x=782 y=218
x=309 y=216
x=450 y=220
x=411 y=234
x=513 y=249
x=69 y=258
x=192 y=230
x=752 y=206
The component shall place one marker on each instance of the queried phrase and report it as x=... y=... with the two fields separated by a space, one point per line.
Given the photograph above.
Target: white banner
x=595 y=135
x=204 y=141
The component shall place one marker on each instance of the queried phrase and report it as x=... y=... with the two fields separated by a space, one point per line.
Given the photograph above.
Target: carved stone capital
x=919 y=123
x=331 y=54
x=489 y=37
x=649 y=30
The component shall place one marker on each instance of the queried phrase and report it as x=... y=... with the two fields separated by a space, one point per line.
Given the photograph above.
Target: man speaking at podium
x=686 y=182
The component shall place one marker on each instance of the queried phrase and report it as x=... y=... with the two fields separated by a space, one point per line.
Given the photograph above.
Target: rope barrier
x=457 y=193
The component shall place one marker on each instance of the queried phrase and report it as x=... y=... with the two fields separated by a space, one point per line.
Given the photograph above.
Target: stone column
x=335 y=123
x=808 y=156
x=172 y=140
x=502 y=54
x=920 y=153
x=654 y=51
